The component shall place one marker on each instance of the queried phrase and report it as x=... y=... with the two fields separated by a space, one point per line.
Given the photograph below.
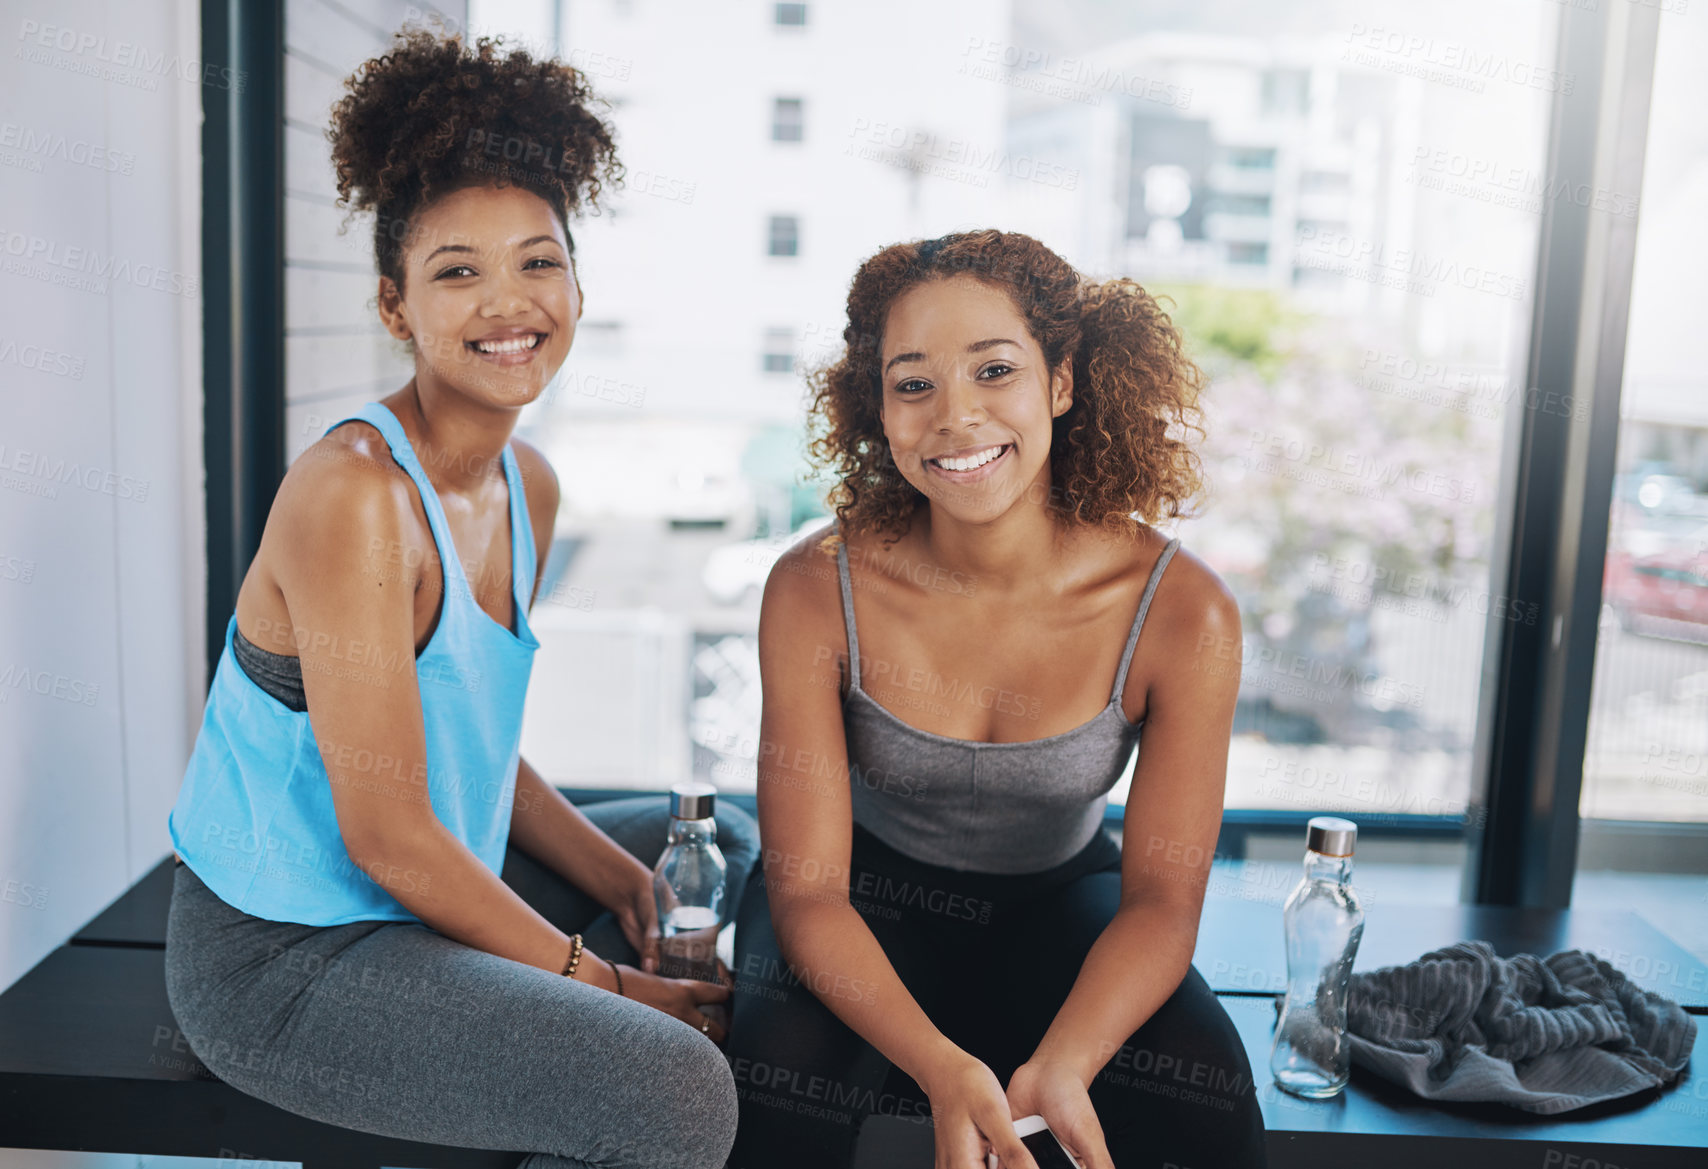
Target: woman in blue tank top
x=953 y=682
x=383 y=917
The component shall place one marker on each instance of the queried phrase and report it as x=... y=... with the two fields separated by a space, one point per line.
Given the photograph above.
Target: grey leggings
x=395 y=1029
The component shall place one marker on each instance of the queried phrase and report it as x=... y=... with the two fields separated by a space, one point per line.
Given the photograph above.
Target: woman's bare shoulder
x=804 y=582
x=1191 y=602
x=346 y=483
x=539 y=480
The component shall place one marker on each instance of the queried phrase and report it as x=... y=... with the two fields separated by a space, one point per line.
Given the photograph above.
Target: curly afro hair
x=1119 y=453
x=436 y=114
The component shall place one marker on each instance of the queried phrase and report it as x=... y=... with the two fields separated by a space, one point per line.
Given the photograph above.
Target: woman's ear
x=1061 y=389
x=391 y=310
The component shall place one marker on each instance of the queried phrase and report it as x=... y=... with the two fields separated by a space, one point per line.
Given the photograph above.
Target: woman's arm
x=806 y=822
x=806 y=817
x=546 y=826
x=1174 y=811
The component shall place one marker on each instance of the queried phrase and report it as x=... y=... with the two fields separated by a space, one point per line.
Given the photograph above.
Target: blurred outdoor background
x=1346 y=224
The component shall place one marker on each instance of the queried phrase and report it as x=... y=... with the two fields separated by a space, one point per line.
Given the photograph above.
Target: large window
x=1347 y=225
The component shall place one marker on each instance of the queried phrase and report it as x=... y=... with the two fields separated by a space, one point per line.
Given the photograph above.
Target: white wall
x=102 y=573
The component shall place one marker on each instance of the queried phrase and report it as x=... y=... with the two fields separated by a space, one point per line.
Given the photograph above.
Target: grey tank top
x=983 y=807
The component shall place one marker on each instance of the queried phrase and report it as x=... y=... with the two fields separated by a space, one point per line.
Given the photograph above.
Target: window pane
x=1346 y=222
x=1647 y=753
x=787 y=121
x=784 y=235
x=779 y=355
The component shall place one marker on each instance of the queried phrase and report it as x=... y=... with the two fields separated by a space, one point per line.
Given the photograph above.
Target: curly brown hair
x=436 y=114
x=1117 y=455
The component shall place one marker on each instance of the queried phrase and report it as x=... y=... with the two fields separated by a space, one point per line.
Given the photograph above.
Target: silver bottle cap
x=692 y=801
x=1331 y=836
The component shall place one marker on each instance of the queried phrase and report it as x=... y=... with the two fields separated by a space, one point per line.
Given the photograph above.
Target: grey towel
x=1545 y=1035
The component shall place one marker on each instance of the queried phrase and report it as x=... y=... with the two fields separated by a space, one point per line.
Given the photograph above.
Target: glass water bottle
x=688 y=884
x=1311 y=1055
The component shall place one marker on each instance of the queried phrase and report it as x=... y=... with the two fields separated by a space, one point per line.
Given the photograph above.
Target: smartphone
x=1043 y=1144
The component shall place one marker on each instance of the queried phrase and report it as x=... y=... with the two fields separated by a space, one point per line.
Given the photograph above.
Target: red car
x=1672 y=586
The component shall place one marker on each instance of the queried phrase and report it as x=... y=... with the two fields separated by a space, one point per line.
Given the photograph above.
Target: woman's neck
x=460 y=444
x=1017 y=549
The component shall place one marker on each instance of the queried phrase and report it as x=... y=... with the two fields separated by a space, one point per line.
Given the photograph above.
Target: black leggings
x=990 y=958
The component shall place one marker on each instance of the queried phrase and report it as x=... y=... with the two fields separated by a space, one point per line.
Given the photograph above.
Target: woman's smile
x=971 y=464
x=508 y=346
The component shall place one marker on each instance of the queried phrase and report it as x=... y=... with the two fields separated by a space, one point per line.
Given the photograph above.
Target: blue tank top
x=254 y=818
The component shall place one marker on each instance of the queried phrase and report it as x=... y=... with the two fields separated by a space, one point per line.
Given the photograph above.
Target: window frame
x=243 y=295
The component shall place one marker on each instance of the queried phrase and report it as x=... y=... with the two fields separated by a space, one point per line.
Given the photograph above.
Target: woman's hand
x=637 y=912
x=680 y=997
x=972 y=1117
x=1056 y=1093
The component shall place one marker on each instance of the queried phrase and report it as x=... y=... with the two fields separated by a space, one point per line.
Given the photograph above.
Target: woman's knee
x=1180 y=1090
x=692 y=1123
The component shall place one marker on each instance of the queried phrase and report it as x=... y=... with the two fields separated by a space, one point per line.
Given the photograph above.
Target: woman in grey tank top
x=954 y=680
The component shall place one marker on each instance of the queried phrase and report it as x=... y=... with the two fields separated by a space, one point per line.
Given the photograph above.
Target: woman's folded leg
x=805 y=1080
x=392 y=1028
x=1178 y=1092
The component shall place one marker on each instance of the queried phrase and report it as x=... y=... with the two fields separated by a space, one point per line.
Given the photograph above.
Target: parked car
x=1668 y=586
x=736 y=572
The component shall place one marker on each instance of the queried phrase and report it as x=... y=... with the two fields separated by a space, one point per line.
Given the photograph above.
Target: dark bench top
x=91 y=1058
x=1241 y=947
x=1653 y=1130
x=137 y=917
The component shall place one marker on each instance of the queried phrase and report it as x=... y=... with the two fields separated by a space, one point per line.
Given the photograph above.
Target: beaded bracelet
x=618 y=971
x=574 y=956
